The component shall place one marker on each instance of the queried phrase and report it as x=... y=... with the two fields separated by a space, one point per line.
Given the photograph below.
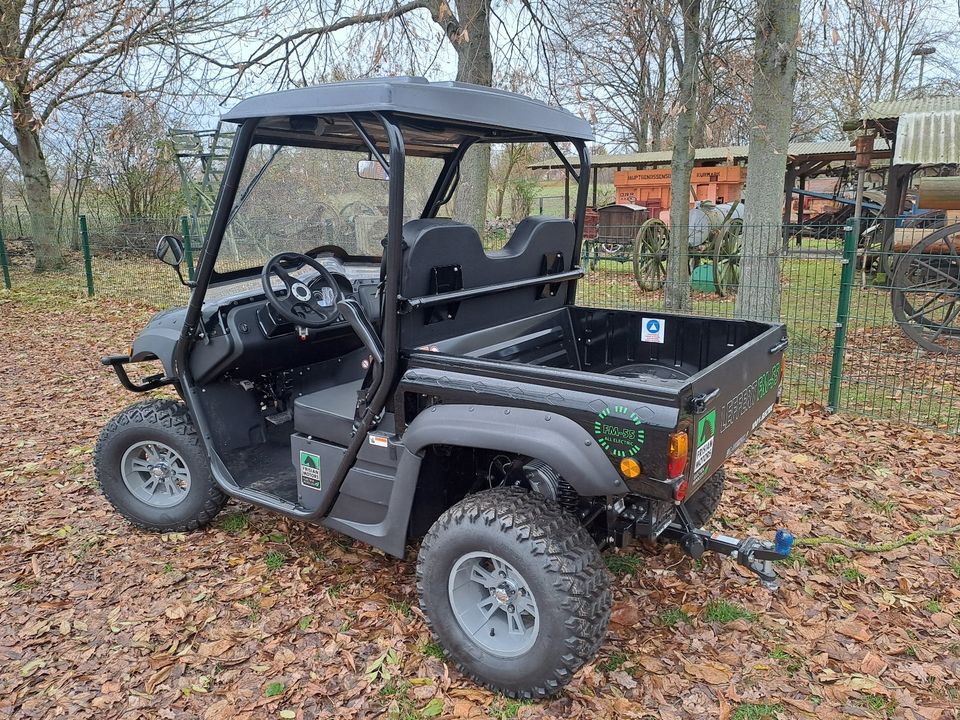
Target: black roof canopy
x=458 y=107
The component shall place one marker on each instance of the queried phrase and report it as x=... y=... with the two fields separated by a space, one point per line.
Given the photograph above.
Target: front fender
x=554 y=439
x=159 y=338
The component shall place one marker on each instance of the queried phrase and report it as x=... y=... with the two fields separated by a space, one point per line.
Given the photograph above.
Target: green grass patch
x=434 y=650
x=234 y=522
x=933 y=606
x=673 y=617
x=955 y=566
x=836 y=563
x=756 y=711
x=723 y=611
x=791 y=662
x=274 y=689
x=400 y=606
x=275 y=560
x=882 y=507
x=613 y=662
x=853 y=574
x=504 y=708
x=305 y=622
x=623 y=563
x=880 y=703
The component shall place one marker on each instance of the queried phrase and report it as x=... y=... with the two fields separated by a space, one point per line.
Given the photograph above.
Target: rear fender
x=554 y=439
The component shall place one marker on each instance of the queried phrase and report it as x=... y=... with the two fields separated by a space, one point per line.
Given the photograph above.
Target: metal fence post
x=4 y=263
x=187 y=245
x=843 y=313
x=87 y=262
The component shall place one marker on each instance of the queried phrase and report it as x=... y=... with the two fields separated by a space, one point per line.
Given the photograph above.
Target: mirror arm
x=371 y=145
x=187 y=283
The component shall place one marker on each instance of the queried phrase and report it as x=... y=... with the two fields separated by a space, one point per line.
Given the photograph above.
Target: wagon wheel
x=650 y=254
x=726 y=257
x=926 y=295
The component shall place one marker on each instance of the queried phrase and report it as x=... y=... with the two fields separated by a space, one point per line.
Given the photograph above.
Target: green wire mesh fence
x=873 y=330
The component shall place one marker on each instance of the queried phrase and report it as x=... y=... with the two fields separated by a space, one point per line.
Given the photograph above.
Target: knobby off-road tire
x=555 y=570
x=704 y=503
x=147 y=434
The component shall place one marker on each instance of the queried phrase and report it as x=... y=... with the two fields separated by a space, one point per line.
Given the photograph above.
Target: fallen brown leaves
x=258 y=617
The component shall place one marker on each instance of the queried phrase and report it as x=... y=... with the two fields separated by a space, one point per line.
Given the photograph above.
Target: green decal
x=706 y=427
x=618 y=431
x=309 y=469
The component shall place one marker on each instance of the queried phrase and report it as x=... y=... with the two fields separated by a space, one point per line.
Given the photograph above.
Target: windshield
x=294 y=199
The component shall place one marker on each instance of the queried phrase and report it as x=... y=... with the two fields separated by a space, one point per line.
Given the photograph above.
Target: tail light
x=677 y=454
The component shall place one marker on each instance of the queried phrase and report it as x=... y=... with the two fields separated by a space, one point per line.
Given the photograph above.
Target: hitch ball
x=783 y=542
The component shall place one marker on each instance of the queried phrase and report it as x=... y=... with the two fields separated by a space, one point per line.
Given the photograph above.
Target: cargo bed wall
x=608 y=340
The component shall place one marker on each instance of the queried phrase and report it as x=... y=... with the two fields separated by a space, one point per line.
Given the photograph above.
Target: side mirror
x=170 y=250
x=371 y=170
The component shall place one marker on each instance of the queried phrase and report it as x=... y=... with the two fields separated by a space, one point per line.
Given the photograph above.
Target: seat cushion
x=328 y=414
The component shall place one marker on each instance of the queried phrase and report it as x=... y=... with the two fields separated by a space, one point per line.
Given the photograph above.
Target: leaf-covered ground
x=258 y=617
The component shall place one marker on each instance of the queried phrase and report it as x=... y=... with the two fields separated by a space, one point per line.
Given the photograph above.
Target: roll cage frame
x=386 y=341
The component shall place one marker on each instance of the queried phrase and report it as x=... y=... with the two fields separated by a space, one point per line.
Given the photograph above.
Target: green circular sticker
x=618 y=431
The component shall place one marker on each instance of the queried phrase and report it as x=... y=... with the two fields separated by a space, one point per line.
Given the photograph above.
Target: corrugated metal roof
x=928 y=137
x=891 y=109
x=804 y=150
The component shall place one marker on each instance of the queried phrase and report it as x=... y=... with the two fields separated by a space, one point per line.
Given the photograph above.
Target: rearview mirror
x=371 y=170
x=170 y=250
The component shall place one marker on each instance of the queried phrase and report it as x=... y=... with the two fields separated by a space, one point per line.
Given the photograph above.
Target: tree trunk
x=677 y=290
x=774 y=79
x=474 y=65
x=36 y=184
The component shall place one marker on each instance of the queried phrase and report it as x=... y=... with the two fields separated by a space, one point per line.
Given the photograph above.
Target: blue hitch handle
x=783 y=542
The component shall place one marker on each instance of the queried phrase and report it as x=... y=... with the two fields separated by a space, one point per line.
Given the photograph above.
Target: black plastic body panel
x=558 y=362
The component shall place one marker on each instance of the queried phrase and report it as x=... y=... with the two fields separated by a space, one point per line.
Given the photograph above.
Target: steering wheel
x=299 y=305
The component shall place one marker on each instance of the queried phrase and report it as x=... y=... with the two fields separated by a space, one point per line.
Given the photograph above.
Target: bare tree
x=618 y=62
x=417 y=30
x=774 y=79
x=862 y=52
x=677 y=288
x=57 y=53
x=135 y=171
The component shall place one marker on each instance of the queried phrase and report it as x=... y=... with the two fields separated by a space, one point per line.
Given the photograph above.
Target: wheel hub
x=504 y=592
x=493 y=604
x=155 y=474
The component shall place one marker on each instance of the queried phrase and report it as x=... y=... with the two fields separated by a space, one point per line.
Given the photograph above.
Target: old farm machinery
x=626 y=233
x=925 y=267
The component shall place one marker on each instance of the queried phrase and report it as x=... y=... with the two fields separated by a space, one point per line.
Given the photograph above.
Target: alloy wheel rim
x=155 y=474
x=493 y=604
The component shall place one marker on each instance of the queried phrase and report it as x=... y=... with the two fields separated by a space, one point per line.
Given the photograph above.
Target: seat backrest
x=444 y=255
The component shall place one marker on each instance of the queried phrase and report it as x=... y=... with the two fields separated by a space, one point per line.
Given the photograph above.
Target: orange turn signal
x=679 y=450
x=630 y=468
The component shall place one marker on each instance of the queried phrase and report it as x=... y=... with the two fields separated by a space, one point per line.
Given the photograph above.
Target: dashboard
x=245 y=338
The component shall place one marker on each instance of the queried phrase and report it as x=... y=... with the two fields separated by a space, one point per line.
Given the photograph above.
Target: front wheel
x=153 y=469
x=515 y=590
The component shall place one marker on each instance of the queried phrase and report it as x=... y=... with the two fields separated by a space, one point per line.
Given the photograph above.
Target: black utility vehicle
x=352 y=358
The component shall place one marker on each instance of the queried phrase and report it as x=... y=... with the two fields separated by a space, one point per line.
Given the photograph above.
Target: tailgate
x=731 y=398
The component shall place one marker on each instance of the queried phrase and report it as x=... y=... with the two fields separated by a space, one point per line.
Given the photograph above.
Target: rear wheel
x=704 y=503
x=152 y=467
x=515 y=590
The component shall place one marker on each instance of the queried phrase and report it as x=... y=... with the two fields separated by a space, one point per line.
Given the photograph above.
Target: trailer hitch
x=755 y=554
